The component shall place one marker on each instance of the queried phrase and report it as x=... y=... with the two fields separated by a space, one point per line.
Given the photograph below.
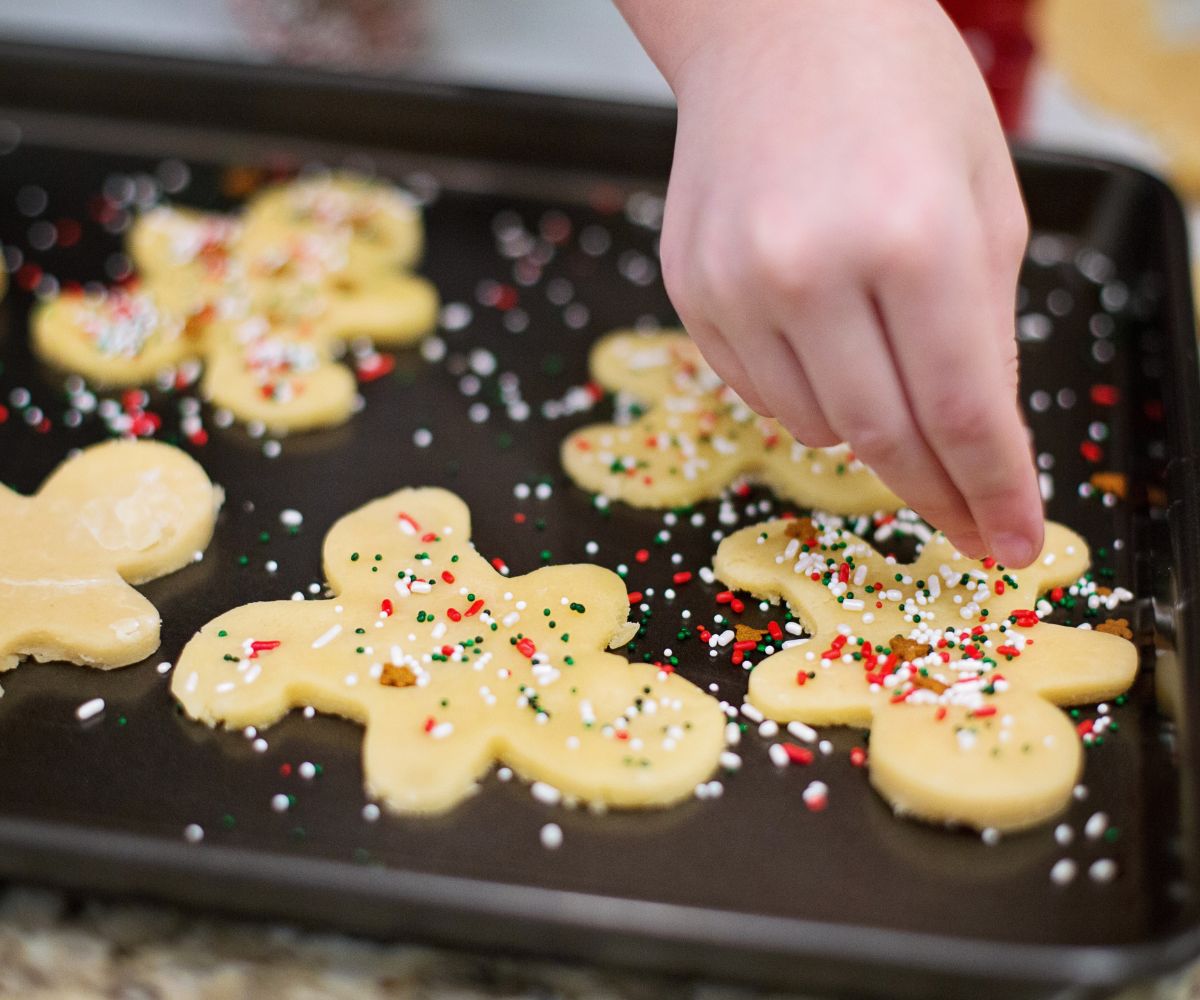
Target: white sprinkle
x=552 y=836
x=730 y=761
x=778 y=755
x=504 y=774
x=1094 y=828
x=307 y=770
x=546 y=794
x=280 y=803
x=805 y=734
x=1063 y=834
x=164 y=667
x=442 y=730
x=291 y=518
x=733 y=734
x=370 y=812
x=89 y=709
x=193 y=833
x=990 y=836
x=260 y=745
x=751 y=713
x=1104 y=870
x=324 y=640
x=768 y=730
x=1063 y=871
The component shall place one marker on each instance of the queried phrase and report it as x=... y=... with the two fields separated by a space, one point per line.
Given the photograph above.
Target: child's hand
x=842 y=238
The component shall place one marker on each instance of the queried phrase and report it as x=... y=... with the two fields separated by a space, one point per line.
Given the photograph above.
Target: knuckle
x=786 y=256
x=912 y=236
x=956 y=414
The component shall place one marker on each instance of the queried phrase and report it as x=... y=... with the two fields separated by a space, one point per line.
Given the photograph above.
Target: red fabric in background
x=996 y=31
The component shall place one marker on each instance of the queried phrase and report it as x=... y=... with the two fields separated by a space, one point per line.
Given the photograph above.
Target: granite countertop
x=51 y=949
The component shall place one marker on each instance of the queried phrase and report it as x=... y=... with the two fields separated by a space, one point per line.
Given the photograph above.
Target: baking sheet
x=746 y=885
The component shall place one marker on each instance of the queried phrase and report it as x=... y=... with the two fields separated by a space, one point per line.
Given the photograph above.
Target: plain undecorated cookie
x=116 y=514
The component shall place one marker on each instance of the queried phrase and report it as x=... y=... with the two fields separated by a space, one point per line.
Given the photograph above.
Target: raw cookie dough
x=116 y=514
x=370 y=225
x=697 y=437
x=944 y=659
x=115 y=337
x=310 y=263
x=450 y=667
x=277 y=375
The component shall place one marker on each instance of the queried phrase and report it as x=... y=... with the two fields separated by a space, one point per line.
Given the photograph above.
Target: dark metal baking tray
x=749 y=887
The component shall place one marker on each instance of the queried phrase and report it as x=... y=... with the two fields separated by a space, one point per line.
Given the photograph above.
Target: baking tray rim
x=726 y=936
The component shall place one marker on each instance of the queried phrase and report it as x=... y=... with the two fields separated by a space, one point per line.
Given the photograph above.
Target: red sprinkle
x=474 y=609
x=375 y=367
x=682 y=577
x=526 y=648
x=1105 y=395
x=858 y=756
x=775 y=631
x=798 y=754
x=447 y=576
x=387 y=607
x=454 y=614
x=984 y=711
x=635 y=597
x=642 y=555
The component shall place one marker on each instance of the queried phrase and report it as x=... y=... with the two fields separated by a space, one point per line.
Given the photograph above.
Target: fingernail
x=1013 y=550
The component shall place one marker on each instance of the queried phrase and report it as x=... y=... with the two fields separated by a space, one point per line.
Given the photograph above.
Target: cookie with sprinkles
x=116 y=514
x=370 y=225
x=283 y=376
x=309 y=264
x=689 y=436
x=451 y=667
x=116 y=337
x=945 y=659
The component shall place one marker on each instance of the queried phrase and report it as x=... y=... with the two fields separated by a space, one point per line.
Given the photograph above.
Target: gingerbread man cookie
x=114 y=515
x=697 y=437
x=310 y=264
x=450 y=667
x=945 y=659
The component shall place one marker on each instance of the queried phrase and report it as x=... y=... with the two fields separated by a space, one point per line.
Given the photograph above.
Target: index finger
x=940 y=317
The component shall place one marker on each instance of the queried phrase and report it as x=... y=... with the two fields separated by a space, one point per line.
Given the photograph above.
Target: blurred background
x=1116 y=77
x=1119 y=78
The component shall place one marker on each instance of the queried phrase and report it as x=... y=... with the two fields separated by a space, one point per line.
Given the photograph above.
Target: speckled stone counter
x=51 y=949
